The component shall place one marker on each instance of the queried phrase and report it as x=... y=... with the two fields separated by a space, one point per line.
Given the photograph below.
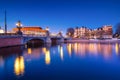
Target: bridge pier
x=61 y=40
x=48 y=40
x=14 y=40
x=44 y=39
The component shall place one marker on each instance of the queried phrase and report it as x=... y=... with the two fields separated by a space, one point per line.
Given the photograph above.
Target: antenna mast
x=5 y=22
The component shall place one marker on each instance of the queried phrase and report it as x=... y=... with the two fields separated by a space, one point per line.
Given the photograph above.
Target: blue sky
x=60 y=14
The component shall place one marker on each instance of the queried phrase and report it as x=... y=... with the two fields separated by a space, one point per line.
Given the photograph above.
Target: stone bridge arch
x=27 y=39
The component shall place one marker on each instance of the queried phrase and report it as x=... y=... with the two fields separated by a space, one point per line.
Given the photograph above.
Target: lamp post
x=5 y=23
x=48 y=39
x=77 y=32
x=60 y=33
x=19 y=26
x=47 y=29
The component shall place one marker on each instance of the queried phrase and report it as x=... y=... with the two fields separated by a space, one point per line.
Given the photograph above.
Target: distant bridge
x=14 y=39
x=45 y=39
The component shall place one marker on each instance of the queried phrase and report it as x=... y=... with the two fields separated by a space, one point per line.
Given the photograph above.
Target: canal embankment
x=7 y=41
x=93 y=40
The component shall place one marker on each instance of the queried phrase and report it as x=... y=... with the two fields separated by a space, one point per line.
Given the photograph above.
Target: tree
x=70 y=32
x=100 y=32
x=117 y=29
x=77 y=32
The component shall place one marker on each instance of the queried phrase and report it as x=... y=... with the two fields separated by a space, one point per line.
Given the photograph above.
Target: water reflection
x=47 y=56
x=44 y=50
x=82 y=55
x=29 y=51
x=69 y=48
x=61 y=52
x=92 y=48
x=32 y=53
x=19 y=65
x=1 y=61
x=117 y=48
x=83 y=49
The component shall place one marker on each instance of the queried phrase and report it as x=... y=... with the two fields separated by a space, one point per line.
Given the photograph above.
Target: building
x=1 y=30
x=86 y=33
x=103 y=32
x=107 y=31
x=82 y=32
x=34 y=30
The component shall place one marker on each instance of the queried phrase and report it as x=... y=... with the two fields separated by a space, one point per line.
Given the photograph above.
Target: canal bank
x=16 y=40
x=7 y=41
x=93 y=41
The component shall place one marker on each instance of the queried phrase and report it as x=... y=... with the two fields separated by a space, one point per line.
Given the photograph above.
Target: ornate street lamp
x=60 y=33
x=19 y=26
x=47 y=29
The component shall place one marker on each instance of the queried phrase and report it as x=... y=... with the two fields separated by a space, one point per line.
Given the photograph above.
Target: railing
x=7 y=34
x=4 y=35
x=55 y=35
x=33 y=35
x=38 y=35
x=26 y=35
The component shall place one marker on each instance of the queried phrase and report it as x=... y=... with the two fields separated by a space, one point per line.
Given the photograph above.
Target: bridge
x=15 y=39
x=43 y=39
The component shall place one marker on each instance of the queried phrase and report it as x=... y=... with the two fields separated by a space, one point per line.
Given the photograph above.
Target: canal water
x=69 y=61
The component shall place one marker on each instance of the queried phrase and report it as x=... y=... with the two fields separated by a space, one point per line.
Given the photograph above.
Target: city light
x=18 y=24
x=61 y=52
x=1 y=31
x=19 y=65
x=117 y=48
x=29 y=51
x=47 y=57
x=69 y=48
x=47 y=29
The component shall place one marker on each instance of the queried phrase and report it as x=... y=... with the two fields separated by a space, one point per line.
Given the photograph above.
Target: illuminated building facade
x=81 y=32
x=107 y=31
x=86 y=33
x=34 y=30
x=1 y=30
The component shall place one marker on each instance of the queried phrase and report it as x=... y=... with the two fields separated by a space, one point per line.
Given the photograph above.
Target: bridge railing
x=33 y=35
x=27 y=35
x=55 y=35
x=2 y=35
x=7 y=34
x=38 y=35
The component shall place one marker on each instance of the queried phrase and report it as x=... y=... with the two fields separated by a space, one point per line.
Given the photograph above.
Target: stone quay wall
x=94 y=41
x=6 y=41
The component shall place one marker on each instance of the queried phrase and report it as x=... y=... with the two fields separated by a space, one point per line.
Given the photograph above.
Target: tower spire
x=5 y=22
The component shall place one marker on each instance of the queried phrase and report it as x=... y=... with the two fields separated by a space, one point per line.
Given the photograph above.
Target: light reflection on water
x=1 y=61
x=47 y=56
x=92 y=49
x=61 y=52
x=117 y=48
x=70 y=58
x=29 y=51
x=69 y=48
x=19 y=65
